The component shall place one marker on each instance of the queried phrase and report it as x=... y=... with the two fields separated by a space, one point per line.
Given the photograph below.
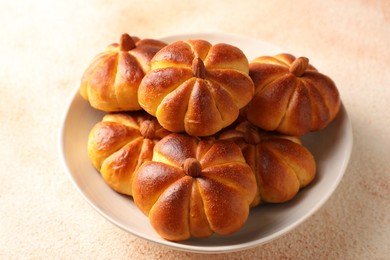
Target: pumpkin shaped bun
x=120 y=143
x=291 y=96
x=111 y=81
x=196 y=87
x=194 y=187
x=281 y=164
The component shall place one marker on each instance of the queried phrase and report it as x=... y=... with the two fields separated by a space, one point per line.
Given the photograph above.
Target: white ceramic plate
x=331 y=148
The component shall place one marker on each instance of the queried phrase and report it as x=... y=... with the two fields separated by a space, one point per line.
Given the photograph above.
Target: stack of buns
x=198 y=136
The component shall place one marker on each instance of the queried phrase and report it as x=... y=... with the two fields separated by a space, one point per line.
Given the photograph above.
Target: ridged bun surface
x=111 y=81
x=196 y=87
x=120 y=143
x=291 y=96
x=194 y=187
x=281 y=164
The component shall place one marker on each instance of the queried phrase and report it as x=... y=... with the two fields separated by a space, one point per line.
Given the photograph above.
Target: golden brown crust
x=111 y=82
x=291 y=96
x=169 y=215
x=117 y=146
x=195 y=187
x=179 y=96
x=198 y=223
x=282 y=166
x=224 y=56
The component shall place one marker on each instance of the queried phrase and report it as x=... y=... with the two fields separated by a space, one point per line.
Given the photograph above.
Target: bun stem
x=299 y=66
x=126 y=43
x=192 y=167
x=198 y=68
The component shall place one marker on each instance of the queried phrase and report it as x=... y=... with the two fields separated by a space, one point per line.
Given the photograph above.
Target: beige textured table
x=46 y=45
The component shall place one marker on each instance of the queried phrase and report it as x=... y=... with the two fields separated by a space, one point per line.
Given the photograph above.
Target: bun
x=196 y=87
x=291 y=96
x=111 y=81
x=120 y=143
x=194 y=187
x=281 y=164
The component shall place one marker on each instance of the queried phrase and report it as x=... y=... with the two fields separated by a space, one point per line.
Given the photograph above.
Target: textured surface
x=45 y=48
